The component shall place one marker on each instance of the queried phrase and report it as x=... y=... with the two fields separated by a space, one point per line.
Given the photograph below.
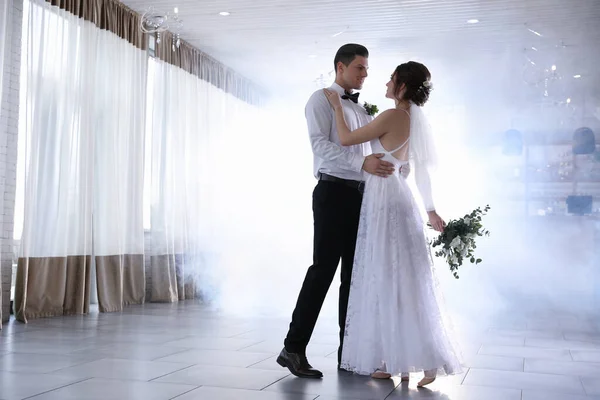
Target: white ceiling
x=272 y=41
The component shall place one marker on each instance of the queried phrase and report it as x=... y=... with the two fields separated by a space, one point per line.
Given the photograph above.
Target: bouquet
x=458 y=239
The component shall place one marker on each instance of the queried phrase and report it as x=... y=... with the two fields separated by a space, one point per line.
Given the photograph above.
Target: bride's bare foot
x=425 y=381
x=380 y=375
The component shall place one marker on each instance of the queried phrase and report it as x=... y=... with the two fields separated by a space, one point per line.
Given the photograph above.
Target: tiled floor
x=186 y=352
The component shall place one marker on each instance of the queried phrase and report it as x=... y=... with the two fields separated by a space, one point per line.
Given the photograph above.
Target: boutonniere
x=371 y=109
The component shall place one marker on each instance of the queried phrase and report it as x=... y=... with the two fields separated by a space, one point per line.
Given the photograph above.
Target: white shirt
x=330 y=157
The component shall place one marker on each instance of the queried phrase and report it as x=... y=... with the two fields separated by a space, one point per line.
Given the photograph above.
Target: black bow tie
x=350 y=96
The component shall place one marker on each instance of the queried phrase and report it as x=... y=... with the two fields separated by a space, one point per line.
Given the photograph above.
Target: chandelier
x=154 y=22
x=540 y=71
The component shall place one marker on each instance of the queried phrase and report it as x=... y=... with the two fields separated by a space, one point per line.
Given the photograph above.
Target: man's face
x=354 y=74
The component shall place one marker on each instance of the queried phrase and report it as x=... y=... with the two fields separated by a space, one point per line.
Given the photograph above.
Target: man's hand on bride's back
x=375 y=166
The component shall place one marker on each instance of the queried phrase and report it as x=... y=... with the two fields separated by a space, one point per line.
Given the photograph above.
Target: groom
x=336 y=205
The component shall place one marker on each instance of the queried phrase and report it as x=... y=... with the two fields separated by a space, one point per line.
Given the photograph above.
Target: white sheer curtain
x=84 y=129
x=194 y=126
x=230 y=204
x=179 y=192
x=119 y=114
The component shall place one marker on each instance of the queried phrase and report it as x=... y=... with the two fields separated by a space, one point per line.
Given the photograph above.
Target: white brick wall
x=9 y=122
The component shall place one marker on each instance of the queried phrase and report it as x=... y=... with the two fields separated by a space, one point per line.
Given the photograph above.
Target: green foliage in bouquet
x=457 y=242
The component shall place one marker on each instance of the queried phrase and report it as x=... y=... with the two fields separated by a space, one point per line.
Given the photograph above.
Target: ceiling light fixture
x=154 y=22
x=577 y=76
x=554 y=68
x=340 y=32
x=535 y=32
x=224 y=13
x=473 y=21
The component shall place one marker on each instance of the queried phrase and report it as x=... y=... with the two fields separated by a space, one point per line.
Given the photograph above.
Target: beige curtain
x=84 y=72
x=192 y=122
x=178 y=157
x=118 y=231
x=192 y=98
x=170 y=282
x=65 y=282
x=83 y=180
x=203 y=66
x=111 y=15
x=121 y=281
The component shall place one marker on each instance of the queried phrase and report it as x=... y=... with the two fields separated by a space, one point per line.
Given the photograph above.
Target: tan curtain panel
x=200 y=64
x=170 y=283
x=115 y=17
x=111 y=15
x=65 y=282
x=85 y=126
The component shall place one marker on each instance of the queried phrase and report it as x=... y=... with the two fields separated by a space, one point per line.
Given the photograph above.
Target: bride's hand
x=334 y=98
x=436 y=221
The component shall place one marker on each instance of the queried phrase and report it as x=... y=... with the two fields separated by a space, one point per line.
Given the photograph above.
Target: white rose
x=456 y=242
x=467 y=221
x=453 y=259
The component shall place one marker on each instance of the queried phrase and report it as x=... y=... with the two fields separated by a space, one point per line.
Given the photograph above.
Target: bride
x=395 y=323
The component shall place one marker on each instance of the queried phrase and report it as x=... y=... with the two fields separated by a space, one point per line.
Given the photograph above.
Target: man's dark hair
x=348 y=52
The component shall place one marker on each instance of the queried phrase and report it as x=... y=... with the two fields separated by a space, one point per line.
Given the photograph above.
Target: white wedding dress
x=395 y=321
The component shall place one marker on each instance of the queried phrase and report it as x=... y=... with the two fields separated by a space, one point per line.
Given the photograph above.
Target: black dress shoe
x=298 y=365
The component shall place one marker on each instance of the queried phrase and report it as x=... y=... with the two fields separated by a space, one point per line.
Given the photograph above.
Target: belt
x=358 y=185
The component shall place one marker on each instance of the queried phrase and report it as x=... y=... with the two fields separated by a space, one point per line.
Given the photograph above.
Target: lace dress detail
x=395 y=310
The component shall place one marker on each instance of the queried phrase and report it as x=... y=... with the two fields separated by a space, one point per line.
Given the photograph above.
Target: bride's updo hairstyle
x=417 y=79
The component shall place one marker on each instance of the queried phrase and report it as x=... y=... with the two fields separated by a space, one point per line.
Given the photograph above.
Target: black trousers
x=336 y=210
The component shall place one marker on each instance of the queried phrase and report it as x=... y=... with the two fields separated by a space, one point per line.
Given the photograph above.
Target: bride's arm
x=376 y=128
x=424 y=185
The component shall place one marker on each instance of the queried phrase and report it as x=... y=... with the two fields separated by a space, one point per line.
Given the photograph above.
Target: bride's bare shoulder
x=396 y=114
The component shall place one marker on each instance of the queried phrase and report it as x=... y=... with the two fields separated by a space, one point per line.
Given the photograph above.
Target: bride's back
x=395 y=142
